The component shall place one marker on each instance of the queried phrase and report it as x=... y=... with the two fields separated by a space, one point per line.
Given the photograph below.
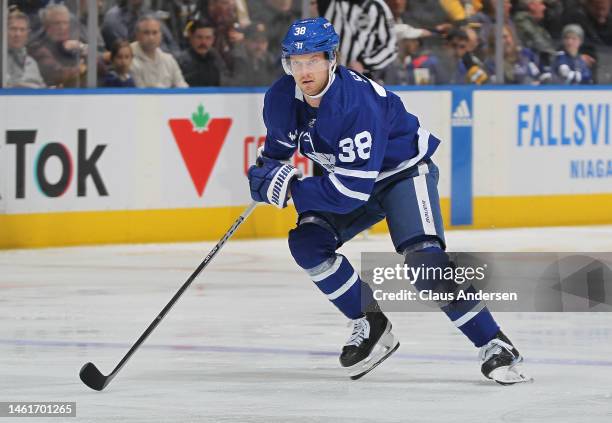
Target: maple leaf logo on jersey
x=200 y=141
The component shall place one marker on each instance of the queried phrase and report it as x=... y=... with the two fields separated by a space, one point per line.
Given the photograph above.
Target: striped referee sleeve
x=381 y=45
x=365 y=29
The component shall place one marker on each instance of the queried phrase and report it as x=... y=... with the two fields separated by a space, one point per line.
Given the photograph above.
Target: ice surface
x=253 y=341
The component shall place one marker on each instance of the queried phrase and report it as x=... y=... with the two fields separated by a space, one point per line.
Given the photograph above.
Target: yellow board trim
x=138 y=226
x=173 y=225
x=550 y=210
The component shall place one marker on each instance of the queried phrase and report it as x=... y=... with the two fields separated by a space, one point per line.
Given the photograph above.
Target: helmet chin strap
x=330 y=80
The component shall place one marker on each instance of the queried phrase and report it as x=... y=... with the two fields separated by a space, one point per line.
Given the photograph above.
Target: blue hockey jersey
x=360 y=134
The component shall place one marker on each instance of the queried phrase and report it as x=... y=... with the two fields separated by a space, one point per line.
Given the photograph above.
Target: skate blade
x=387 y=345
x=509 y=375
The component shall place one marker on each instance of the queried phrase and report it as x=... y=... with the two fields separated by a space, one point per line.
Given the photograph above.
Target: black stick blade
x=91 y=376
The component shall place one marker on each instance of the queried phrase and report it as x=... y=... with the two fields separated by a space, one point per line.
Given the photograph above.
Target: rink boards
x=108 y=166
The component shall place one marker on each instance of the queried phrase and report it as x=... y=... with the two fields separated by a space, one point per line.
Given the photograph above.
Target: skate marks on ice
x=253 y=341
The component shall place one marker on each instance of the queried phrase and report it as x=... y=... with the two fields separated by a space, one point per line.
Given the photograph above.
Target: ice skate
x=501 y=361
x=369 y=345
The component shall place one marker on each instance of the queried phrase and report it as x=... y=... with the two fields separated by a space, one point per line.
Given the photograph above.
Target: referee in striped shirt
x=367 y=40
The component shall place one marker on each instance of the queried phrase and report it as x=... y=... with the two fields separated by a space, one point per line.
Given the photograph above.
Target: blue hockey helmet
x=310 y=35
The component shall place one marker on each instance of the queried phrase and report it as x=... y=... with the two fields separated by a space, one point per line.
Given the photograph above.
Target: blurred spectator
x=60 y=58
x=459 y=64
x=529 y=30
x=120 y=24
x=313 y=9
x=459 y=11
x=474 y=45
x=258 y=68
x=553 y=16
x=242 y=11
x=277 y=16
x=223 y=14
x=79 y=12
x=83 y=12
x=412 y=66
x=367 y=40
x=568 y=67
x=152 y=67
x=31 y=8
x=425 y=14
x=22 y=69
x=200 y=63
x=520 y=64
x=595 y=18
x=121 y=58
x=486 y=18
x=398 y=8
x=180 y=14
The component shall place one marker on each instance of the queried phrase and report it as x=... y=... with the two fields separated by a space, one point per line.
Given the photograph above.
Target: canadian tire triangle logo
x=200 y=140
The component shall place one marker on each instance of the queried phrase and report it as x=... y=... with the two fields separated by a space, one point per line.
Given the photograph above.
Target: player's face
x=310 y=72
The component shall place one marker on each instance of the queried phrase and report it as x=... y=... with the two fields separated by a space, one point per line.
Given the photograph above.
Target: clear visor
x=302 y=64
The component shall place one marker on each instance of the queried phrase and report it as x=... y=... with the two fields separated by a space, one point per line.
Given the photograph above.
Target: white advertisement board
x=542 y=143
x=139 y=152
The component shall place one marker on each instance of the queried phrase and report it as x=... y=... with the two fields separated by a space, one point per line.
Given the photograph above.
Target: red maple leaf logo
x=200 y=141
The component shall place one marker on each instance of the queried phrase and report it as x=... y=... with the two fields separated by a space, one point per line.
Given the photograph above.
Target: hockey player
x=378 y=165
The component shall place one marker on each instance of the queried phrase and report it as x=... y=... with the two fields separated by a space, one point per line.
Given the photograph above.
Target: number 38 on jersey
x=359 y=146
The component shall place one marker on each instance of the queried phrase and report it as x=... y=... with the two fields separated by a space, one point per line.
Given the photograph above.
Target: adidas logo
x=461 y=115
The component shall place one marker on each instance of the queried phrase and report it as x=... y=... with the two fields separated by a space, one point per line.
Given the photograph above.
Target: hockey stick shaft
x=178 y=294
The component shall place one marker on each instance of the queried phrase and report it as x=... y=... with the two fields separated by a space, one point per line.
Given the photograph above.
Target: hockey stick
x=92 y=377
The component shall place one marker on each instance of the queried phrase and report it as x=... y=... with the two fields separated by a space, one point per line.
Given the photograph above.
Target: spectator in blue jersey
x=120 y=74
x=568 y=67
x=520 y=64
x=378 y=165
